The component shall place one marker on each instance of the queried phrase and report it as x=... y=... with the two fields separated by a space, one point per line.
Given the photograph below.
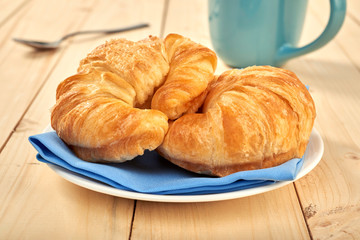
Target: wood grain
x=353 y=9
x=35 y=203
x=10 y=8
x=198 y=221
x=273 y=215
x=330 y=194
x=19 y=84
x=349 y=35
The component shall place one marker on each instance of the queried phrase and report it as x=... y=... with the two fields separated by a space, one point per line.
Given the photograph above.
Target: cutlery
x=42 y=45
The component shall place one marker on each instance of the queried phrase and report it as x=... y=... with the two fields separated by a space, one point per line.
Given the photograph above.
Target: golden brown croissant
x=253 y=118
x=97 y=110
x=180 y=94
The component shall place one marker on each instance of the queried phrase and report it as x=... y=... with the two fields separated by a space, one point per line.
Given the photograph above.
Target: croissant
x=254 y=118
x=99 y=111
x=192 y=69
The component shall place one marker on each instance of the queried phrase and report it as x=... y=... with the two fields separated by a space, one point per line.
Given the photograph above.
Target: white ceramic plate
x=313 y=156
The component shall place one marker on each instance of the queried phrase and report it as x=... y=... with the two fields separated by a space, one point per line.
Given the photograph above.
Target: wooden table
x=36 y=203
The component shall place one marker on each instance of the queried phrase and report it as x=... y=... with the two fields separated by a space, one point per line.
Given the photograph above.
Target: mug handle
x=337 y=16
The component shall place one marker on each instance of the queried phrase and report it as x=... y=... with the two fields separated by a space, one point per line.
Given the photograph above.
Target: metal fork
x=41 y=45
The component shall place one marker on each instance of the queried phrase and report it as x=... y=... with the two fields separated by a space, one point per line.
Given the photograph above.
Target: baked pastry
x=99 y=111
x=192 y=68
x=254 y=118
x=119 y=103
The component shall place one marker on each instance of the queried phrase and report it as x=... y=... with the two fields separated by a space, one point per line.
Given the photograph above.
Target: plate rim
x=316 y=145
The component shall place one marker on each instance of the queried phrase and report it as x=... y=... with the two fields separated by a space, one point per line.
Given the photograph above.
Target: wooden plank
x=272 y=215
x=22 y=70
x=349 y=35
x=10 y=8
x=330 y=194
x=353 y=9
x=40 y=205
x=275 y=215
x=35 y=203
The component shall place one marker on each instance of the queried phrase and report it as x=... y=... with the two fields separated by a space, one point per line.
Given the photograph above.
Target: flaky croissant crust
x=128 y=97
x=99 y=111
x=254 y=118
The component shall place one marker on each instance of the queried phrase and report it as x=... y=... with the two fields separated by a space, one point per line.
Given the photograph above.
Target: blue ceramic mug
x=265 y=32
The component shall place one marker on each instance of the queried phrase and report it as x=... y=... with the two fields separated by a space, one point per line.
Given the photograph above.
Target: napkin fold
x=153 y=174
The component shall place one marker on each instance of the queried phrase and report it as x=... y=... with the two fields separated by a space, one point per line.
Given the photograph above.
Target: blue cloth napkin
x=153 y=174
